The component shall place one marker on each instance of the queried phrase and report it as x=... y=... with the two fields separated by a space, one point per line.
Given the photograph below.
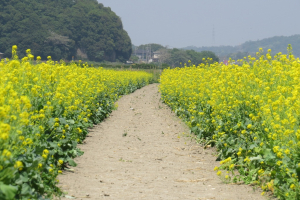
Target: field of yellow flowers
x=45 y=110
x=250 y=111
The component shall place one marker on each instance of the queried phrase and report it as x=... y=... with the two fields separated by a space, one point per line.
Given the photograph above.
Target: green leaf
x=24 y=178
x=268 y=154
x=79 y=153
x=6 y=174
x=25 y=188
x=257 y=149
x=70 y=121
x=258 y=158
x=74 y=144
x=62 y=121
x=51 y=122
x=34 y=164
x=8 y=190
x=18 y=181
x=71 y=162
x=53 y=145
x=194 y=129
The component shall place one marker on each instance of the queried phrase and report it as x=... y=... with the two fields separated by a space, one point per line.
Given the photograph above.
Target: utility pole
x=144 y=53
x=148 y=57
x=150 y=52
x=147 y=53
x=147 y=49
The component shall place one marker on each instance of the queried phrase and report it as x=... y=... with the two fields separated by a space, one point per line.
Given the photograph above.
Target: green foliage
x=134 y=58
x=179 y=57
x=154 y=47
x=197 y=57
x=59 y=28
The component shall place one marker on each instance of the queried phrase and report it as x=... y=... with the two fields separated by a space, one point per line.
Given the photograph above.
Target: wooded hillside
x=61 y=29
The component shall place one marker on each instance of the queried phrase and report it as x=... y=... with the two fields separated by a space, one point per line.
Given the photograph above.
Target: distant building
x=144 y=55
x=156 y=54
x=141 y=54
x=147 y=56
x=1 y=55
x=225 y=62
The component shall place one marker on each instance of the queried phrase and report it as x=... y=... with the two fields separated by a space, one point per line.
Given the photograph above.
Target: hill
x=276 y=44
x=62 y=29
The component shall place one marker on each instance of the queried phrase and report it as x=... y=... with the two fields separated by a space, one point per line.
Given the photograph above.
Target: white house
x=156 y=54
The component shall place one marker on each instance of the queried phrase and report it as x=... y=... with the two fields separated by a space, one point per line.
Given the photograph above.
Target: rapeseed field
x=46 y=109
x=250 y=110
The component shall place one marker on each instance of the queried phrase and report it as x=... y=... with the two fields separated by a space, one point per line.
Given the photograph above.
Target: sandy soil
x=140 y=152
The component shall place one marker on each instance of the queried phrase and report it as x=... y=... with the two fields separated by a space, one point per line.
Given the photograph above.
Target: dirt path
x=139 y=152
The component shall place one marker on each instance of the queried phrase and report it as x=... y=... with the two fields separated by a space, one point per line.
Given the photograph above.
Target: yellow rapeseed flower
x=18 y=165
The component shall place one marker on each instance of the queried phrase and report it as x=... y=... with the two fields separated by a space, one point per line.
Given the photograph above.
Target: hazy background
x=181 y=23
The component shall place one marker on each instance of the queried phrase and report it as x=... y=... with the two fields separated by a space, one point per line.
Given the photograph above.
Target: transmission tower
x=148 y=52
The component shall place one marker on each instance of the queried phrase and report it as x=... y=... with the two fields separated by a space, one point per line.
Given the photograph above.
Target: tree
x=178 y=57
x=197 y=57
x=134 y=58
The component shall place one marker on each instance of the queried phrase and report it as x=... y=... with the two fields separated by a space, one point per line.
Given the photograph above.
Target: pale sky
x=181 y=23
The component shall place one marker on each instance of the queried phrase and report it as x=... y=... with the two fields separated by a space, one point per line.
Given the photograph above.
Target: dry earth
x=140 y=152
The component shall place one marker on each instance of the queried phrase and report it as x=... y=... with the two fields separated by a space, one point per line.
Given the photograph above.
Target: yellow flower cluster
x=23 y=85
x=250 y=108
x=54 y=103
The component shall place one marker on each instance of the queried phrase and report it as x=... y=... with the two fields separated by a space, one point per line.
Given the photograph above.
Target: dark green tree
x=178 y=57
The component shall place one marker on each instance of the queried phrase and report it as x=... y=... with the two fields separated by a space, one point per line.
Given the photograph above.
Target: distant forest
x=276 y=44
x=62 y=29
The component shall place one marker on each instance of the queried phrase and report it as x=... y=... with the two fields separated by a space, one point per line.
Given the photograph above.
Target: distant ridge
x=276 y=44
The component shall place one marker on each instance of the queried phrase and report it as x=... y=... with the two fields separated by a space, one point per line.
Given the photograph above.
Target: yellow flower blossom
x=19 y=165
